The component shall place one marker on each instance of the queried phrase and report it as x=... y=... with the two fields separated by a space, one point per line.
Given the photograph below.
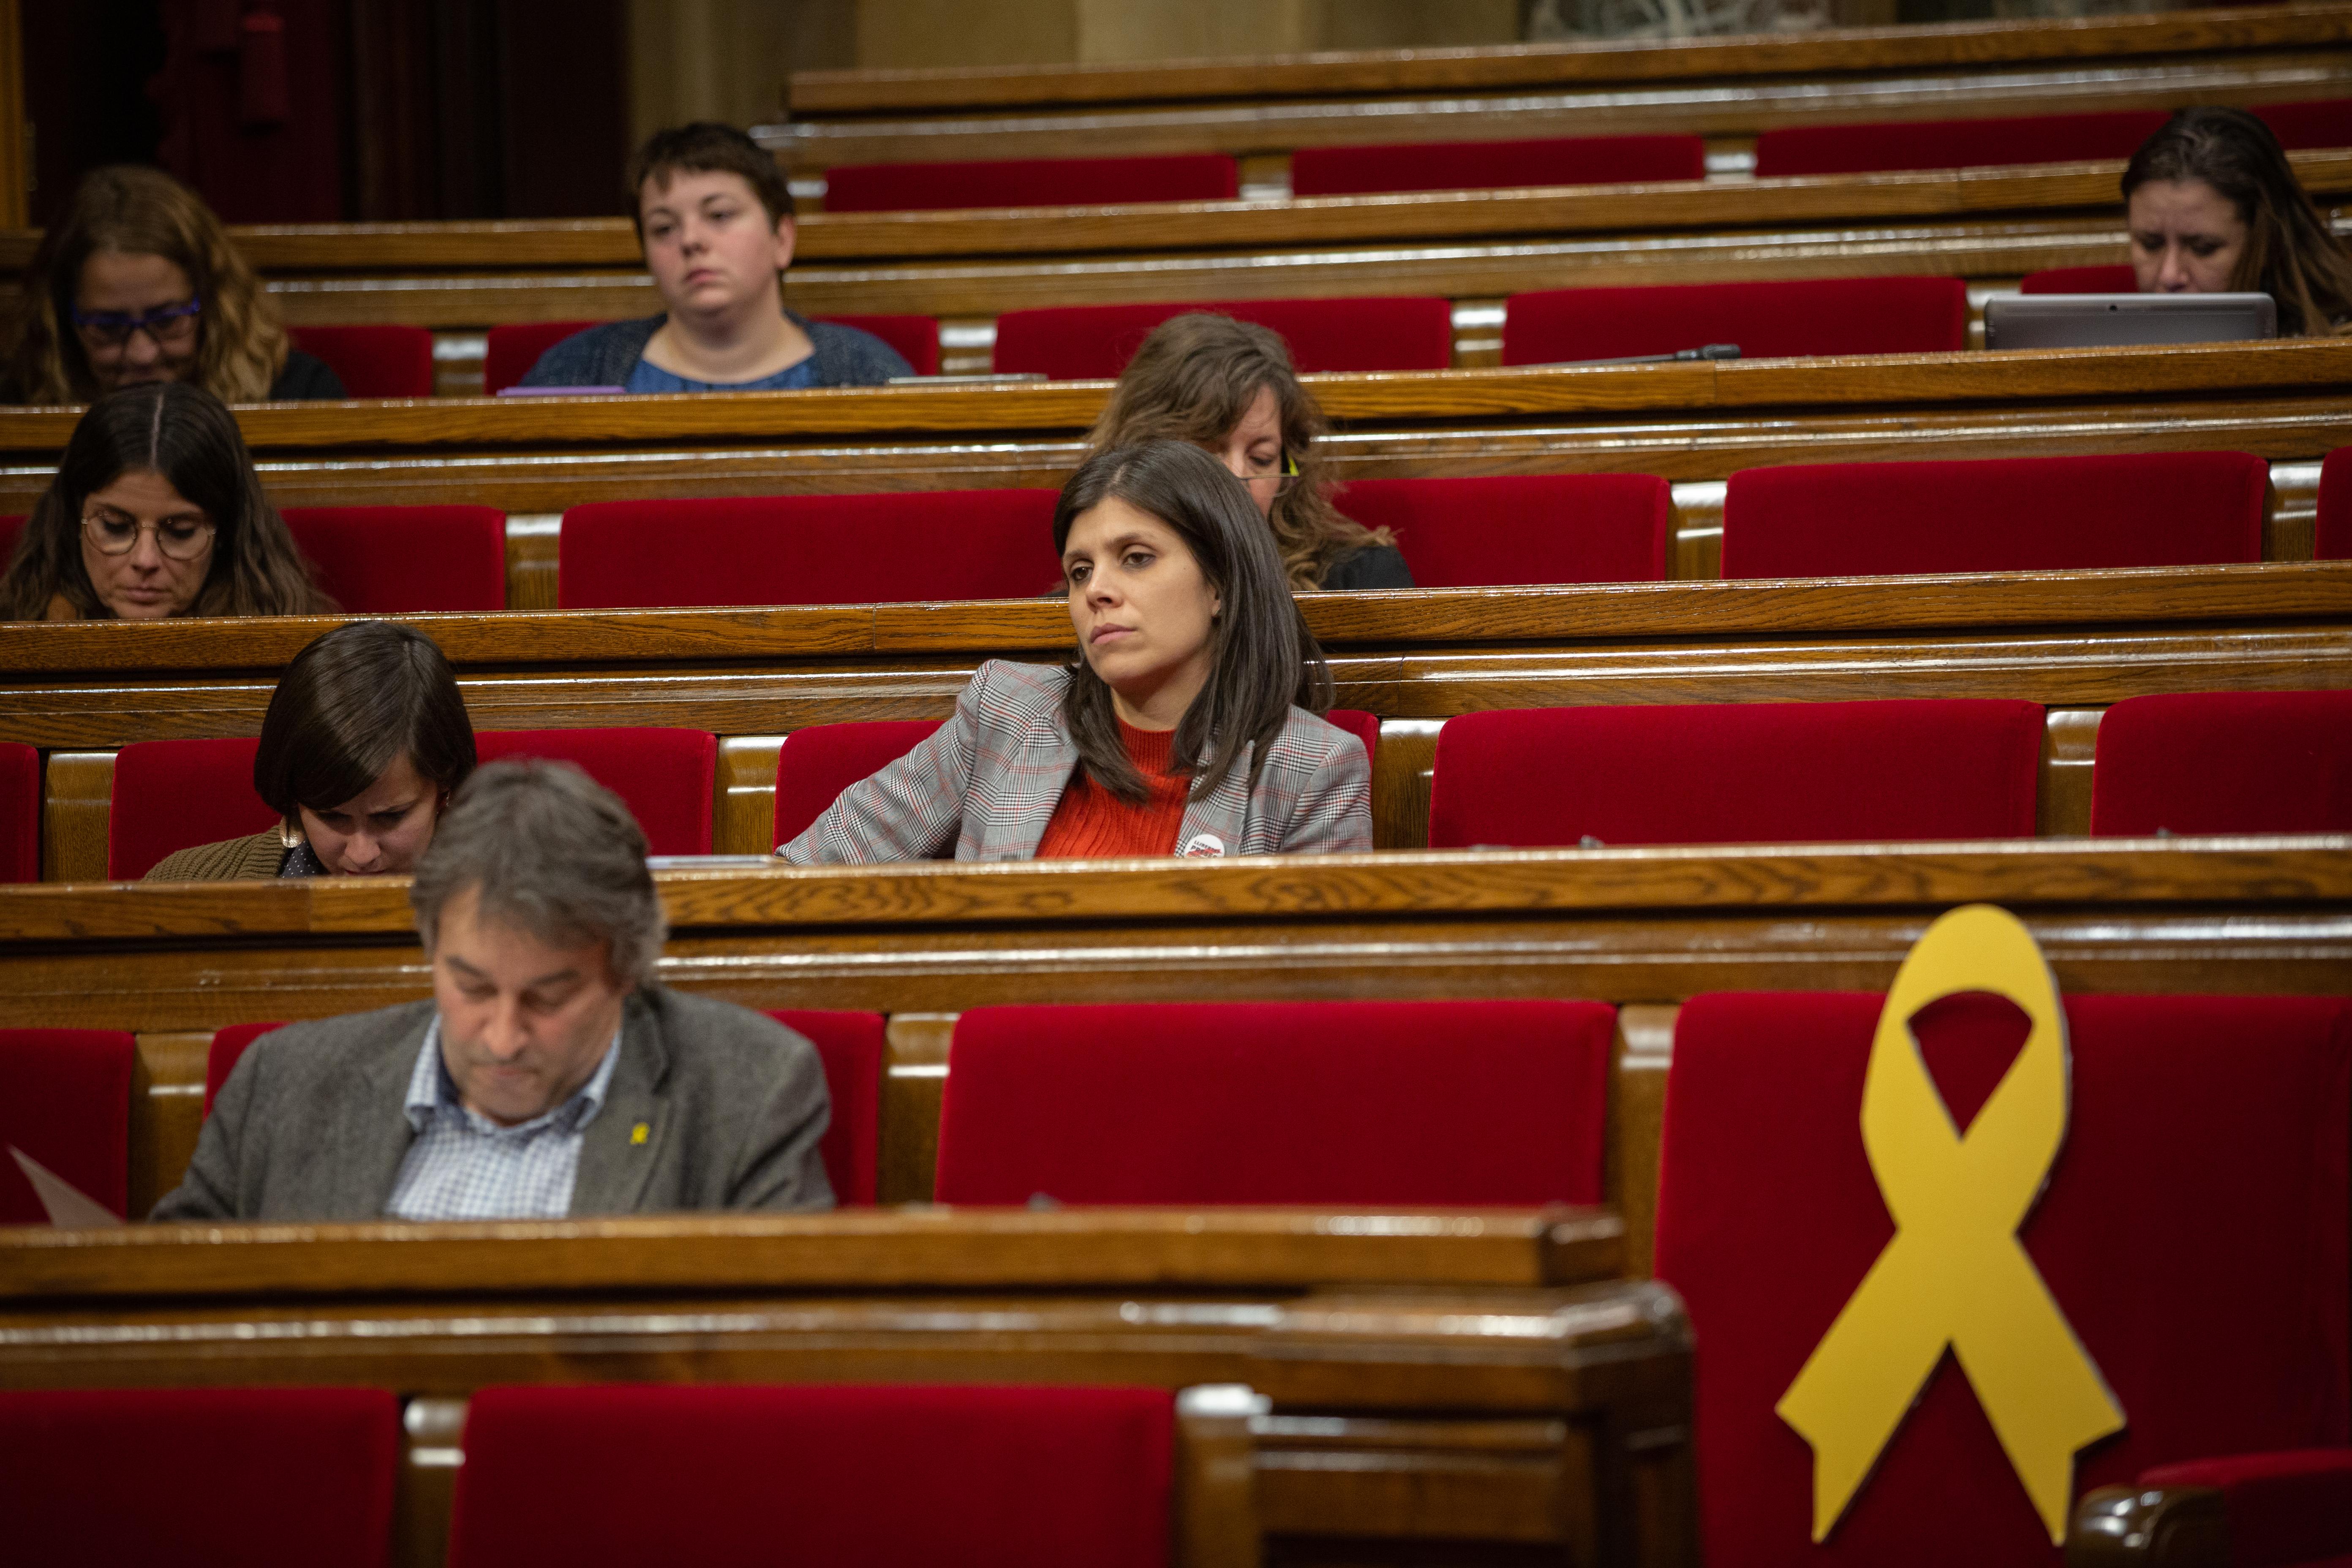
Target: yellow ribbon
x=1955 y=1273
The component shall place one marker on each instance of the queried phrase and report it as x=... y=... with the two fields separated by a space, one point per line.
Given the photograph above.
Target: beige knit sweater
x=230 y=861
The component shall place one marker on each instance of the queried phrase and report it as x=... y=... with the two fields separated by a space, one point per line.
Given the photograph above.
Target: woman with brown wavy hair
x=1227 y=387
x=137 y=281
x=155 y=512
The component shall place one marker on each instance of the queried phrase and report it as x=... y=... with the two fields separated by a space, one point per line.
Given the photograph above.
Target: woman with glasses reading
x=1186 y=725
x=1227 y=387
x=156 y=511
x=137 y=281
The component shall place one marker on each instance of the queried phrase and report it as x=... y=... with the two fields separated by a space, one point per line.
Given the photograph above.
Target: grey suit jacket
x=312 y=1124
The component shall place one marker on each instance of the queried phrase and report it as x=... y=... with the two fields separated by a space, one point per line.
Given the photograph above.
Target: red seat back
x=1521 y=528
x=809 y=550
x=1752 y=773
x=621 y=1476
x=372 y=362
x=2003 y=514
x=20 y=813
x=1495 y=166
x=1095 y=342
x=405 y=559
x=2204 y=1167
x=665 y=777
x=2082 y=280
x=1365 y=727
x=916 y=338
x=2309 y=123
x=65 y=1100
x=1953 y=143
x=200 y=1478
x=1330 y=1103
x=512 y=349
x=815 y=764
x=2225 y=761
x=227 y=1049
x=1767 y=321
x=850 y=1045
x=2333 y=542
x=1031 y=183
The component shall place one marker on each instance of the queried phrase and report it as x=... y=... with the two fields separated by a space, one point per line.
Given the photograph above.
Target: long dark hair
x=2290 y=253
x=351 y=705
x=1263 y=659
x=188 y=436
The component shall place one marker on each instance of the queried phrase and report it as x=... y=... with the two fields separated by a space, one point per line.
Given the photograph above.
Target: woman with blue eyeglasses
x=137 y=282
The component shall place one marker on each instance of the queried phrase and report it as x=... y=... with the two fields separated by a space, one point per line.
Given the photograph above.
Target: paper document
x=69 y=1207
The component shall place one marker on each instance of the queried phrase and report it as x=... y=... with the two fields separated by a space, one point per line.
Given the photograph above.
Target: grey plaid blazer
x=988 y=779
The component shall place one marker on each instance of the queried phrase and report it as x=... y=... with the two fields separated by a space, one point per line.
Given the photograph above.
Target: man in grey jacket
x=549 y=1075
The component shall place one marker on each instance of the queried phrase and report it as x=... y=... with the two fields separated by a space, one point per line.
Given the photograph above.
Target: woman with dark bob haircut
x=2213 y=207
x=365 y=740
x=156 y=511
x=1187 y=724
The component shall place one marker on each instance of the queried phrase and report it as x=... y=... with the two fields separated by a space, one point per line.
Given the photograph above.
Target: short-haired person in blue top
x=715 y=219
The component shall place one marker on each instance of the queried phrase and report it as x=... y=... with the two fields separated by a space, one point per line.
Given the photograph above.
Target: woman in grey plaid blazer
x=1186 y=624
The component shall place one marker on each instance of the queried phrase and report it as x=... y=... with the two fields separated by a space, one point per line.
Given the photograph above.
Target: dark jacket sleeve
x=783 y=1164
x=599 y=356
x=307 y=378
x=1369 y=566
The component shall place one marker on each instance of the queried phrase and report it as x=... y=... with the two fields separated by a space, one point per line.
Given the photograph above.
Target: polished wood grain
x=2150 y=1527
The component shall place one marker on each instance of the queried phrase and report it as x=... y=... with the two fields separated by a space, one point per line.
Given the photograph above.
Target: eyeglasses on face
x=179 y=538
x=169 y=325
x=1281 y=483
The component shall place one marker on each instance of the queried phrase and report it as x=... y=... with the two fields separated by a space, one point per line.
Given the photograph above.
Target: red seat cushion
x=20 y=813
x=1072 y=343
x=200 y=1478
x=1031 y=183
x=1953 y=143
x=815 y=764
x=65 y=1100
x=171 y=795
x=2205 y=1167
x=2225 y=761
x=2333 y=541
x=916 y=338
x=2310 y=123
x=1767 y=321
x=511 y=350
x=1747 y=773
x=809 y=550
x=850 y=1045
x=405 y=559
x=226 y=1050
x=2004 y=514
x=621 y=1475
x=1512 y=529
x=665 y=777
x=2290 y=1509
x=1365 y=727
x=1495 y=166
x=372 y=362
x=2082 y=280
x=1335 y=1103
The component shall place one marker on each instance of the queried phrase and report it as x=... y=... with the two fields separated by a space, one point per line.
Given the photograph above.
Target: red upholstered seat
x=1443 y=1103
x=1495 y=166
x=65 y=1100
x=2334 y=539
x=2290 y=1509
x=2082 y=280
x=809 y=550
x=227 y=1047
x=372 y=362
x=1075 y=343
x=1737 y=774
x=1767 y=321
x=200 y=1478
x=20 y=813
x=815 y=764
x=404 y=560
x=1953 y=143
x=1365 y=727
x=2309 y=123
x=666 y=777
x=2225 y=761
x=623 y=1475
x=2001 y=514
x=511 y=350
x=850 y=1045
x=916 y=338
x=1029 y=182
x=1515 y=528
x=2205 y=1168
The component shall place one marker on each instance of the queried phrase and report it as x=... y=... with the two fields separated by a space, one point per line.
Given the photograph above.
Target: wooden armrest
x=2149 y=1527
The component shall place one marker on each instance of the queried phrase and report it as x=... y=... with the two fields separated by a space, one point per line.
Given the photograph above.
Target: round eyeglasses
x=1280 y=483
x=179 y=538
x=169 y=325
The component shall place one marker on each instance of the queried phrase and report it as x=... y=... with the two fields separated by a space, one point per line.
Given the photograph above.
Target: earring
x=290 y=836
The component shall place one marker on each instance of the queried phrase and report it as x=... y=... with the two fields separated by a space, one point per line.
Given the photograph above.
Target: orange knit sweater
x=1094 y=822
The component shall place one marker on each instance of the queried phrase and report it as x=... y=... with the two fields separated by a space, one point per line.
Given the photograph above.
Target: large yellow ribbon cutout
x=1955 y=1273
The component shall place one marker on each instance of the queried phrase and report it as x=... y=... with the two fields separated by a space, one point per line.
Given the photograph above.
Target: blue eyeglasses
x=167 y=324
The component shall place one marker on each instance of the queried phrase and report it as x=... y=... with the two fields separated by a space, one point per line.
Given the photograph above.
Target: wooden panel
x=77 y=792
x=167 y=1112
x=2070 y=742
x=745 y=820
x=1646 y=1049
x=914 y=1083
